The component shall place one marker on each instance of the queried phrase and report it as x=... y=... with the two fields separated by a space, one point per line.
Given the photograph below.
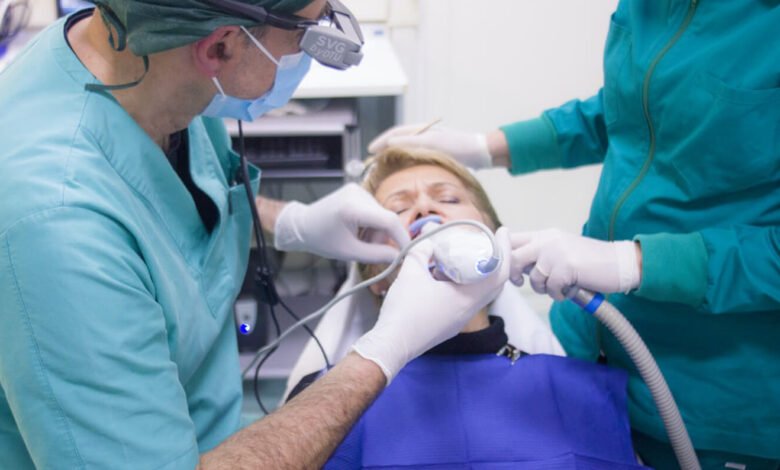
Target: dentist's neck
x=167 y=98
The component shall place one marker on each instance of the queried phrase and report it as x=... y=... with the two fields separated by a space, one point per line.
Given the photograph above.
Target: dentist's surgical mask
x=290 y=70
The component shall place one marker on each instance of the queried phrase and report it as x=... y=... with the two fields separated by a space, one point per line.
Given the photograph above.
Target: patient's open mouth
x=415 y=228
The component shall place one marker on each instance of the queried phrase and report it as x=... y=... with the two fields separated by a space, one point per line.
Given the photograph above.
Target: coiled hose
x=611 y=317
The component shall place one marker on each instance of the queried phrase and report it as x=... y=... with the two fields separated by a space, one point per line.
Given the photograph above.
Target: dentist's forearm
x=305 y=431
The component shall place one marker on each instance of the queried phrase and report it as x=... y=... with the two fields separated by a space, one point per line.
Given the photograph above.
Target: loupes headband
x=334 y=40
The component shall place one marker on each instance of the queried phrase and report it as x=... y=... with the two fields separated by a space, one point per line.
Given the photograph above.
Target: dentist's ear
x=212 y=52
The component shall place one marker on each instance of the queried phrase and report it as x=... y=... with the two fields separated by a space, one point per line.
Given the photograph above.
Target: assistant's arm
x=304 y=432
x=571 y=135
x=730 y=269
x=568 y=136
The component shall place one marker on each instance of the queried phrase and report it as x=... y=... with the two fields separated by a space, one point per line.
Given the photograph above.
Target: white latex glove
x=468 y=148
x=559 y=263
x=329 y=227
x=420 y=312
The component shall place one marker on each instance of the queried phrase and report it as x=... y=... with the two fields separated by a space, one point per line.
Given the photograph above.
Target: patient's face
x=420 y=191
x=427 y=190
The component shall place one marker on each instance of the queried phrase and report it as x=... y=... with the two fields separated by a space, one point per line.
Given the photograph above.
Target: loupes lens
x=336 y=45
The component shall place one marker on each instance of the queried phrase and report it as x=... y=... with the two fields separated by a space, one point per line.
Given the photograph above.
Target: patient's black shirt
x=489 y=340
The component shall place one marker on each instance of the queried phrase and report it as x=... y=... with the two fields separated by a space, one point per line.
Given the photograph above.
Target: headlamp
x=334 y=40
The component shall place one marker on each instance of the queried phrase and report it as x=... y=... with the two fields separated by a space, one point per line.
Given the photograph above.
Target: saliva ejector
x=460 y=253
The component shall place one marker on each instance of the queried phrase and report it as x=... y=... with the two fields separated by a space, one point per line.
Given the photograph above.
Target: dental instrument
x=428 y=126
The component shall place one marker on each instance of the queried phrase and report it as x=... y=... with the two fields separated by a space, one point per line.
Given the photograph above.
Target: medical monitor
x=66 y=7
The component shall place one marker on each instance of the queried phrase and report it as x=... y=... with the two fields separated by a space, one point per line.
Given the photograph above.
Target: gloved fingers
x=570 y=292
x=517 y=280
x=419 y=255
x=380 y=219
x=372 y=253
x=380 y=142
x=560 y=281
x=523 y=260
x=504 y=244
x=538 y=280
x=520 y=239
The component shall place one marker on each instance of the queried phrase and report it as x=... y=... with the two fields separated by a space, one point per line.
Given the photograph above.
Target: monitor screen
x=65 y=7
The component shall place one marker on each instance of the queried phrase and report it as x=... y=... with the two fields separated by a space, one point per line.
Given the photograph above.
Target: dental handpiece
x=459 y=254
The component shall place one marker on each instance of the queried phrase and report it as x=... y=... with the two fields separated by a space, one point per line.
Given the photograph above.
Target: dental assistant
x=684 y=229
x=124 y=237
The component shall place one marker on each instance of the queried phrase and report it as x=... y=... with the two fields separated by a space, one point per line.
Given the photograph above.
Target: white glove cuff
x=287 y=236
x=373 y=349
x=483 y=158
x=628 y=266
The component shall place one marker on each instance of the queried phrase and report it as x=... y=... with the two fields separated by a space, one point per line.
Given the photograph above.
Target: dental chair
x=349 y=319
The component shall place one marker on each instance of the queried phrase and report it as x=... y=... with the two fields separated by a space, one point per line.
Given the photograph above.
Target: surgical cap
x=149 y=26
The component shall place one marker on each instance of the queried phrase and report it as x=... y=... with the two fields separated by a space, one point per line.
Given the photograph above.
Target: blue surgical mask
x=290 y=70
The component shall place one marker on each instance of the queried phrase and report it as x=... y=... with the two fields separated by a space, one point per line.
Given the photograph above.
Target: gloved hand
x=420 y=312
x=559 y=263
x=329 y=227
x=468 y=148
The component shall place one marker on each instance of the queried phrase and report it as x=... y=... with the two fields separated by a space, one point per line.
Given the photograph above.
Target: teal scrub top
x=687 y=126
x=117 y=341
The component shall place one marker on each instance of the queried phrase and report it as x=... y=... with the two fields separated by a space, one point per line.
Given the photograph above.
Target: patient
x=476 y=401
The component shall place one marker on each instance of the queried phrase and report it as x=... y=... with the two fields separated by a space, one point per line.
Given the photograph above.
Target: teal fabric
x=534 y=144
x=660 y=455
x=117 y=343
x=701 y=195
x=684 y=251
x=153 y=26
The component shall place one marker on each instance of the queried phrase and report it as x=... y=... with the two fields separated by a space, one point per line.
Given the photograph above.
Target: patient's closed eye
x=446 y=195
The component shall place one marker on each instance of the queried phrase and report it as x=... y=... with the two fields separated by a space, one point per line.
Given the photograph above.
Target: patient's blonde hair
x=394 y=159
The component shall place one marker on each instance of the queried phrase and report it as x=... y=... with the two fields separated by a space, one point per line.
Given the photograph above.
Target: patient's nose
x=425 y=212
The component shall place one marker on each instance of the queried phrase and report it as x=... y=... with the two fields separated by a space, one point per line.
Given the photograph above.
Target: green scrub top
x=117 y=340
x=687 y=126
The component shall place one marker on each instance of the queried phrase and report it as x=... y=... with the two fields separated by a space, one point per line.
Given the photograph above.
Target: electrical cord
x=264 y=275
x=289 y=311
x=255 y=380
